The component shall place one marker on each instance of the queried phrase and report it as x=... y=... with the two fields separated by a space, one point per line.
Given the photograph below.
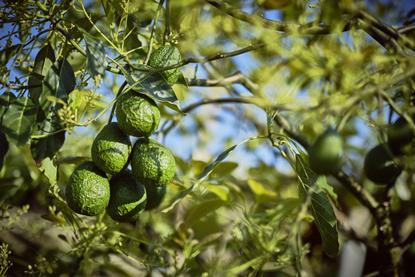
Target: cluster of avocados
x=105 y=183
x=326 y=153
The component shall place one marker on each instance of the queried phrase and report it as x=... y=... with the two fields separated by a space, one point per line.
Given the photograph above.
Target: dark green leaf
x=96 y=57
x=151 y=84
x=43 y=62
x=58 y=83
x=5 y=101
x=320 y=205
x=18 y=120
x=47 y=147
x=4 y=147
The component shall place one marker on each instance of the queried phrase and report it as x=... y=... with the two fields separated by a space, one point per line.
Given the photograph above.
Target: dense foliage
x=246 y=89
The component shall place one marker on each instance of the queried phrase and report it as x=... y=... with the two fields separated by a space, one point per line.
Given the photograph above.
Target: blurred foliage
x=253 y=207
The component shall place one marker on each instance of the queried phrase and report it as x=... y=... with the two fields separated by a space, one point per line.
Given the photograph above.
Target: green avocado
x=379 y=166
x=152 y=163
x=88 y=190
x=137 y=115
x=155 y=195
x=326 y=154
x=128 y=197
x=399 y=135
x=165 y=56
x=111 y=149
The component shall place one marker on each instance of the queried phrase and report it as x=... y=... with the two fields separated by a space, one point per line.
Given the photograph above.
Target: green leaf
x=262 y=194
x=18 y=120
x=49 y=170
x=220 y=191
x=210 y=167
x=76 y=60
x=47 y=146
x=224 y=169
x=6 y=99
x=151 y=84
x=251 y=263
x=43 y=62
x=96 y=58
x=320 y=205
x=204 y=174
x=203 y=209
x=58 y=82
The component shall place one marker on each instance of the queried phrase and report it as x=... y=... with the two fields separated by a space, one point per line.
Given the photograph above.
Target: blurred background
x=247 y=217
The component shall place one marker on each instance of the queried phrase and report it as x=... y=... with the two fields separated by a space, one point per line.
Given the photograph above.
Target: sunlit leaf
x=262 y=194
x=224 y=169
x=49 y=170
x=221 y=191
x=202 y=209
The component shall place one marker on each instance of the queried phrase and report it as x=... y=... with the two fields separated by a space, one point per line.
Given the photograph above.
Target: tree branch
x=310 y=29
x=240 y=100
x=218 y=56
x=237 y=78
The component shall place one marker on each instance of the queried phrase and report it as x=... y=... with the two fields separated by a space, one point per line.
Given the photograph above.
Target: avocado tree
x=206 y=137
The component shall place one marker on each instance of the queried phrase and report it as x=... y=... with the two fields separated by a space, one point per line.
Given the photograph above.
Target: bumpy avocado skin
x=399 y=135
x=164 y=56
x=128 y=198
x=155 y=195
x=111 y=149
x=152 y=163
x=326 y=154
x=88 y=190
x=137 y=115
x=379 y=166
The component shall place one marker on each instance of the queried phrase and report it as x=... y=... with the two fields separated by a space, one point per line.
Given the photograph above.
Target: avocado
x=379 y=166
x=152 y=163
x=88 y=190
x=137 y=115
x=155 y=195
x=111 y=149
x=128 y=197
x=326 y=154
x=165 y=56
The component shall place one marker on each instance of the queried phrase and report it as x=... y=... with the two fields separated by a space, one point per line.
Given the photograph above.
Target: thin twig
x=150 y=47
x=124 y=84
x=237 y=78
